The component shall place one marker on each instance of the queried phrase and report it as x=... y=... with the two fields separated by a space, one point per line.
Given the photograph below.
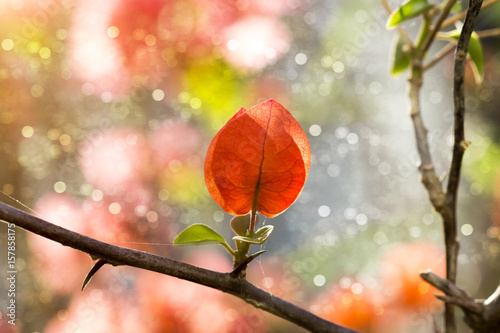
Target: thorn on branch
x=93 y=270
x=238 y=270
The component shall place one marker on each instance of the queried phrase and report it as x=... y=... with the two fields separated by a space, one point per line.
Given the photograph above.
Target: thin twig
x=454 y=295
x=446 y=286
x=434 y=29
x=451 y=45
x=482 y=316
x=457 y=17
x=116 y=255
x=489 y=33
x=465 y=304
x=440 y=55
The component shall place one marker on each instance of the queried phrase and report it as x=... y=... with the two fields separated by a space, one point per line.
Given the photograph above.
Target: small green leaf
x=240 y=224
x=400 y=59
x=199 y=234
x=259 y=237
x=476 y=56
x=475 y=51
x=408 y=10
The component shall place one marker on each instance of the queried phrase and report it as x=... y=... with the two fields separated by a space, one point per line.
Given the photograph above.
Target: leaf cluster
x=405 y=51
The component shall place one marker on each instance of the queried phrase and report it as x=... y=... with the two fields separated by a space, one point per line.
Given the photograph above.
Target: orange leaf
x=259 y=160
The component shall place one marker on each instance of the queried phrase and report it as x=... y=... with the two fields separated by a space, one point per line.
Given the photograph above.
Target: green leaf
x=476 y=56
x=199 y=234
x=400 y=59
x=475 y=51
x=408 y=10
x=259 y=237
x=240 y=224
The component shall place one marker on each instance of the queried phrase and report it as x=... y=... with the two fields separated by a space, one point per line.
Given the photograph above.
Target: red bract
x=259 y=160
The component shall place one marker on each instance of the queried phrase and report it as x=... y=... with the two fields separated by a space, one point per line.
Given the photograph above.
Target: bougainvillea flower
x=258 y=161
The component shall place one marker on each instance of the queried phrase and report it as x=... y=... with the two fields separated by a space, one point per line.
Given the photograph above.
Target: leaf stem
x=253 y=214
x=228 y=248
x=253 y=218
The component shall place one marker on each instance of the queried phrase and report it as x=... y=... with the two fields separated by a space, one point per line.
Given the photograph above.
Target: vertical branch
x=459 y=96
x=428 y=174
x=444 y=202
x=460 y=145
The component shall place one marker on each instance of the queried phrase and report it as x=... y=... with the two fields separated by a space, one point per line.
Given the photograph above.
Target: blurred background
x=106 y=111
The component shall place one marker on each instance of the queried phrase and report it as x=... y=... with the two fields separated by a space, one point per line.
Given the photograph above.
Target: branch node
x=460 y=55
x=464 y=144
